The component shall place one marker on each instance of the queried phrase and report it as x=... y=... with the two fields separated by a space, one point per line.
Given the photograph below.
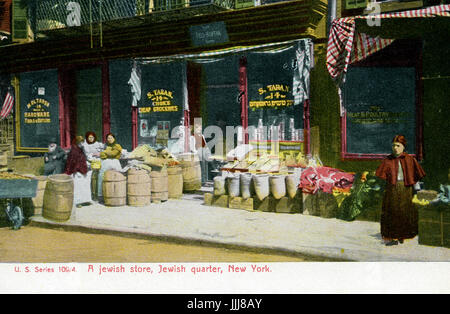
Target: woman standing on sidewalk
x=110 y=160
x=399 y=217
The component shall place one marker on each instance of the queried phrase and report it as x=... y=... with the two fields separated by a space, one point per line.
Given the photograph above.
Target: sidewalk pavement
x=188 y=219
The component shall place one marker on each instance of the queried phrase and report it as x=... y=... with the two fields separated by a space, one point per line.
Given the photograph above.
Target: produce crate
x=218 y=201
x=240 y=203
x=287 y=205
x=434 y=224
x=320 y=204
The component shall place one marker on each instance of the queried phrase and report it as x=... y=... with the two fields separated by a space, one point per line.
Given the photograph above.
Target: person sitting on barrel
x=54 y=159
x=110 y=160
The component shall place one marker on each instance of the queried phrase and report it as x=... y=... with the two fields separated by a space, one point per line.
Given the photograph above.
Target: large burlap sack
x=277 y=186
x=219 y=185
x=233 y=185
x=246 y=186
x=261 y=184
x=292 y=182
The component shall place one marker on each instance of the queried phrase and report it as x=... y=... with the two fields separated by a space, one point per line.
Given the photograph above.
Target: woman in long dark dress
x=399 y=216
x=76 y=167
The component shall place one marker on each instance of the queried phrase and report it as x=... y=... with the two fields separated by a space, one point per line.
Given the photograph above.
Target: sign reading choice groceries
x=162 y=100
x=273 y=95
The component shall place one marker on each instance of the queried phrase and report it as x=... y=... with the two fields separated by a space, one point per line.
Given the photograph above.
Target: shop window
x=161 y=105
x=221 y=93
x=382 y=98
x=272 y=100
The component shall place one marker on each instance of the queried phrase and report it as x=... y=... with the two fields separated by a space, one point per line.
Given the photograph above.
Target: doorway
x=84 y=102
x=88 y=101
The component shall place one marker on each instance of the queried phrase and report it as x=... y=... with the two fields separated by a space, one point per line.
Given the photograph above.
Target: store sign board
x=380 y=103
x=38 y=109
x=160 y=109
x=208 y=34
x=273 y=95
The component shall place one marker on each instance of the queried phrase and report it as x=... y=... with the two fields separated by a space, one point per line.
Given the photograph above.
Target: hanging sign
x=208 y=34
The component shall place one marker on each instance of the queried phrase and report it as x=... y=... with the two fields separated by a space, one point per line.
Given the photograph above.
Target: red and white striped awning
x=346 y=45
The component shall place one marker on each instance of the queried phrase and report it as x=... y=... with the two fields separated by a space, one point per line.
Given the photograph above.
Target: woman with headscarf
x=76 y=166
x=110 y=160
x=92 y=148
x=399 y=216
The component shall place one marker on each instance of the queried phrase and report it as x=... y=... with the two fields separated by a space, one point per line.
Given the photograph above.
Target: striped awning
x=346 y=45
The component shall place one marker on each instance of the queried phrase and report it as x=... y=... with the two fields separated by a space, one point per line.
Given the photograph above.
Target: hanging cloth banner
x=346 y=45
x=304 y=61
x=135 y=84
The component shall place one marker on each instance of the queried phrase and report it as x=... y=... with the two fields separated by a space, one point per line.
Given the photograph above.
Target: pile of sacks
x=148 y=157
x=247 y=185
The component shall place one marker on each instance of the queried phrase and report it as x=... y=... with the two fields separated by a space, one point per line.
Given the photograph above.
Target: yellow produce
x=419 y=202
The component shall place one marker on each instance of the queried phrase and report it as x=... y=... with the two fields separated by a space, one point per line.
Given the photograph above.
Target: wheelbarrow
x=12 y=190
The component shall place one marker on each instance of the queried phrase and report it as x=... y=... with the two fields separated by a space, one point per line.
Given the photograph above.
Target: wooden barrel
x=94 y=184
x=192 y=172
x=175 y=178
x=114 y=188
x=58 y=198
x=139 y=187
x=160 y=184
x=38 y=201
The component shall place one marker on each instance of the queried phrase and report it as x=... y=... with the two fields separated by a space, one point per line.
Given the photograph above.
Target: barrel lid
x=60 y=177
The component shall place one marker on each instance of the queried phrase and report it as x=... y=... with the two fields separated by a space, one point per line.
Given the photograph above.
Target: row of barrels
x=139 y=187
x=248 y=185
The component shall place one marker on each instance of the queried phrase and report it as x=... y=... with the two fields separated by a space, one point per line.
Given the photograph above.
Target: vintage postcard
x=240 y=146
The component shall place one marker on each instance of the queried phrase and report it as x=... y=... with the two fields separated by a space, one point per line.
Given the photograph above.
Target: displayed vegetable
x=364 y=192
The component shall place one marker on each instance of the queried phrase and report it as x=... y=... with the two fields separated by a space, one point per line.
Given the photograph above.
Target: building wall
x=120 y=102
x=436 y=68
x=436 y=93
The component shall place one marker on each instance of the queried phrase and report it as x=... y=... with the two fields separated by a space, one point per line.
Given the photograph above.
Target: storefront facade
x=388 y=81
x=237 y=76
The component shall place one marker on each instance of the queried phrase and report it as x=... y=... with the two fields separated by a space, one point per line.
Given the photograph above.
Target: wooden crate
x=240 y=203
x=214 y=200
x=320 y=204
x=434 y=225
x=287 y=205
x=263 y=205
